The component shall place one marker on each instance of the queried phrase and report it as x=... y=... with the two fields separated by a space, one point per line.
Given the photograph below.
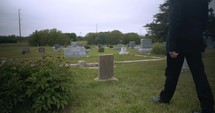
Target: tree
x=72 y=36
x=131 y=37
x=102 y=38
x=115 y=37
x=210 y=31
x=157 y=30
x=48 y=37
x=91 y=38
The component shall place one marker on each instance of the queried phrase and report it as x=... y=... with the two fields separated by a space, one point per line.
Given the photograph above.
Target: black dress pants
x=196 y=66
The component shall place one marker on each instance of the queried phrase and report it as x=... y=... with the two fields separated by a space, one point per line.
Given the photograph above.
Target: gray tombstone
x=106 y=67
x=146 y=45
x=25 y=50
x=57 y=48
x=118 y=47
x=74 y=52
x=132 y=44
x=41 y=50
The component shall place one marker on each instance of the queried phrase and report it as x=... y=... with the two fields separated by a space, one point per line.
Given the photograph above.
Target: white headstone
x=123 y=50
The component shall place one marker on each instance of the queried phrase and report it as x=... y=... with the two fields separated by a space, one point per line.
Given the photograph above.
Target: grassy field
x=137 y=82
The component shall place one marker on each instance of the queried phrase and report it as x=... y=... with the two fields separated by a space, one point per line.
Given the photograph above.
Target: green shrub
x=110 y=46
x=87 y=47
x=158 y=48
x=50 y=87
x=46 y=86
x=12 y=85
x=101 y=49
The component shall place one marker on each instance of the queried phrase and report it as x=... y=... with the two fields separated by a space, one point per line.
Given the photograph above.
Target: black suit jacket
x=187 y=22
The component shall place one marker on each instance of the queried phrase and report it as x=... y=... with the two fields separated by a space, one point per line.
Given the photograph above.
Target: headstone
x=118 y=47
x=106 y=67
x=185 y=66
x=132 y=44
x=74 y=52
x=146 y=45
x=75 y=44
x=123 y=50
x=57 y=48
x=41 y=50
x=25 y=50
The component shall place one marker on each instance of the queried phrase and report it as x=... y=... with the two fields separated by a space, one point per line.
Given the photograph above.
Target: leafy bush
x=46 y=86
x=158 y=48
x=110 y=46
x=101 y=49
x=12 y=85
x=50 y=87
x=87 y=47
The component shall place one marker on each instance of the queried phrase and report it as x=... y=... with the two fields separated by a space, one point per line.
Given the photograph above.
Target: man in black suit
x=187 y=22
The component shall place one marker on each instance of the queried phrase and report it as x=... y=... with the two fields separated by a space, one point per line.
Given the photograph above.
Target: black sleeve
x=175 y=21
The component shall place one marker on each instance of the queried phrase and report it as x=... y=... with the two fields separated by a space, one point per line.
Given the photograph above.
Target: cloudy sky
x=78 y=16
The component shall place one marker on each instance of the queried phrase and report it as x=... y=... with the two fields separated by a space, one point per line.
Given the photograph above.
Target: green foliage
x=210 y=30
x=13 y=85
x=111 y=38
x=131 y=37
x=157 y=30
x=8 y=39
x=45 y=86
x=72 y=36
x=50 y=87
x=87 y=47
x=158 y=48
x=48 y=37
x=101 y=49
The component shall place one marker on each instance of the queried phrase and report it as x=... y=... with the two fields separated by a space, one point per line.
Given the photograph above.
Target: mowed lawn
x=137 y=82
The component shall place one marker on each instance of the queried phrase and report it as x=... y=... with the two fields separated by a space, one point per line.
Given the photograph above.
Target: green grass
x=137 y=82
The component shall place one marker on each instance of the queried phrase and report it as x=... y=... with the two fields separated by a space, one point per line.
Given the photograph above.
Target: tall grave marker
x=146 y=45
x=106 y=68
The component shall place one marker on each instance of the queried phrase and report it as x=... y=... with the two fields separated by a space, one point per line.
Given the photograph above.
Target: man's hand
x=173 y=54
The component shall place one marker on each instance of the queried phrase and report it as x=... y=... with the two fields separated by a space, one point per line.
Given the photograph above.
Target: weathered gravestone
x=132 y=44
x=123 y=50
x=106 y=68
x=118 y=47
x=57 y=48
x=74 y=52
x=41 y=50
x=25 y=50
x=146 y=45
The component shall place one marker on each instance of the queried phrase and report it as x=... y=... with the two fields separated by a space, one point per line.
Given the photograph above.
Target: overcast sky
x=77 y=16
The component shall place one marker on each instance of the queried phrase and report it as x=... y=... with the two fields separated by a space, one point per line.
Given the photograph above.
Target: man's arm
x=175 y=17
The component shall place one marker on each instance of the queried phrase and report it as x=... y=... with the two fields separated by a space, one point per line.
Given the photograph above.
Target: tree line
x=50 y=37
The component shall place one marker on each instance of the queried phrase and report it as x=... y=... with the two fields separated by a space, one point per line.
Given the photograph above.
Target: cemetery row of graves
x=50 y=84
